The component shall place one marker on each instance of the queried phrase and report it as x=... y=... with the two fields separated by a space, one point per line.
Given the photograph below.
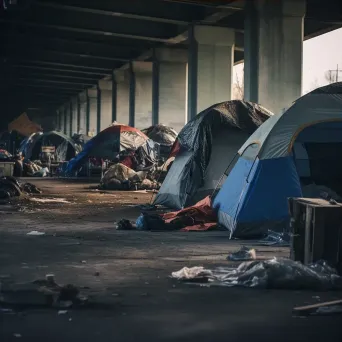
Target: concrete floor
x=128 y=276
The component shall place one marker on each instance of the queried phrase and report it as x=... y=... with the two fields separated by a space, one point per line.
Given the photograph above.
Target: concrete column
x=68 y=118
x=169 y=85
x=143 y=94
x=74 y=107
x=106 y=103
x=210 y=68
x=82 y=97
x=274 y=33
x=122 y=98
x=92 y=100
x=65 y=117
x=57 y=120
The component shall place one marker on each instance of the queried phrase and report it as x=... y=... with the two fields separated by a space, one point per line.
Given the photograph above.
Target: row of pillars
x=177 y=83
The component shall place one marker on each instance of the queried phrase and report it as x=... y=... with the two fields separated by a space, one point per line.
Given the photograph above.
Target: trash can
x=6 y=168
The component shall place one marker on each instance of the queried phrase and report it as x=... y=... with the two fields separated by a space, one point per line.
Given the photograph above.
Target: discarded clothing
x=125 y=225
x=187 y=273
x=276 y=273
x=152 y=222
x=196 y=218
x=243 y=254
x=275 y=239
x=31 y=189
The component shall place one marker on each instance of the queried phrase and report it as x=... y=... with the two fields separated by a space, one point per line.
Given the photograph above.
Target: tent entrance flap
x=318 y=156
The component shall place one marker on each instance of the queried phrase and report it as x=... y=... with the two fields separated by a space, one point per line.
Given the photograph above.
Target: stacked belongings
x=204 y=149
x=122 y=146
x=163 y=135
x=199 y=217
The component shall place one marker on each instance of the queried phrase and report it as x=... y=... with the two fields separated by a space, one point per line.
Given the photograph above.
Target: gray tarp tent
x=204 y=149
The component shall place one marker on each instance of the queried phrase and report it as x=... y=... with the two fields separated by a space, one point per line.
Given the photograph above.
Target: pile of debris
x=35 y=169
x=10 y=187
x=42 y=292
x=275 y=273
x=121 y=177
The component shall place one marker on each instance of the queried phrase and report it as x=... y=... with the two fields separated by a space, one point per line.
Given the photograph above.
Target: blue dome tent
x=299 y=147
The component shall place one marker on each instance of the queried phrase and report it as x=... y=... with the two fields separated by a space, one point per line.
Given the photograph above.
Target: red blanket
x=199 y=217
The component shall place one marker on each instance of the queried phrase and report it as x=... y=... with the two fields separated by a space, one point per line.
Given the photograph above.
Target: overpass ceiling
x=52 y=50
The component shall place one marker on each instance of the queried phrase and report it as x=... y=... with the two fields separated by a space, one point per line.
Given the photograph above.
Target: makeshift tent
x=66 y=149
x=288 y=152
x=5 y=155
x=163 y=135
x=204 y=148
x=109 y=143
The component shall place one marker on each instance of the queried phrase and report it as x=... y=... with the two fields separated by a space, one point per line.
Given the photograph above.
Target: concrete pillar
x=74 y=123
x=68 y=118
x=114 y=97
x=106 y=103
x=143 y=94
x=210 y=68
x=93 y=106
x=169 y=87
x=274 y=33
x=82 y=97
x=65 y=119
x=57 y=120
x=122 y=97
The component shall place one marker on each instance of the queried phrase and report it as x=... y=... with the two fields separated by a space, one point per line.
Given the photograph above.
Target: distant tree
x=238 y=88
x=333 y=76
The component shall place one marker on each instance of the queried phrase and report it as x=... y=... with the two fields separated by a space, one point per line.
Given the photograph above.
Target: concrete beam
x=110 y=13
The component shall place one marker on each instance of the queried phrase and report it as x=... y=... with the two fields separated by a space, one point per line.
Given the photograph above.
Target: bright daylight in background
x=320 y=55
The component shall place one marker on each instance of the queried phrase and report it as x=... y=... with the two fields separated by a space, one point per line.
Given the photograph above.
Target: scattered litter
x=324 y=308
x=70 y=319
x=276 y=273
x=31 y=189
x=192 y=273
x=17 y=335
x=275 y=239
x=329 y=310
x=5 y=310
x=41 y=292
x=83 y=261
x=35 y=233
x=49 y=200
x=62 y=312
x=65 y=304
x=244 y=254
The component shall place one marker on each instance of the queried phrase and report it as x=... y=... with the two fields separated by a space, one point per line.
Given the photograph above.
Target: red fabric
x=123 y=128
x=175 y=149
x=128 y=161
x=201 y=214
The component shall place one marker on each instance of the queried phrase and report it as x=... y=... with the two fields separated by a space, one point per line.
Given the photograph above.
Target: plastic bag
x=277 y=273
